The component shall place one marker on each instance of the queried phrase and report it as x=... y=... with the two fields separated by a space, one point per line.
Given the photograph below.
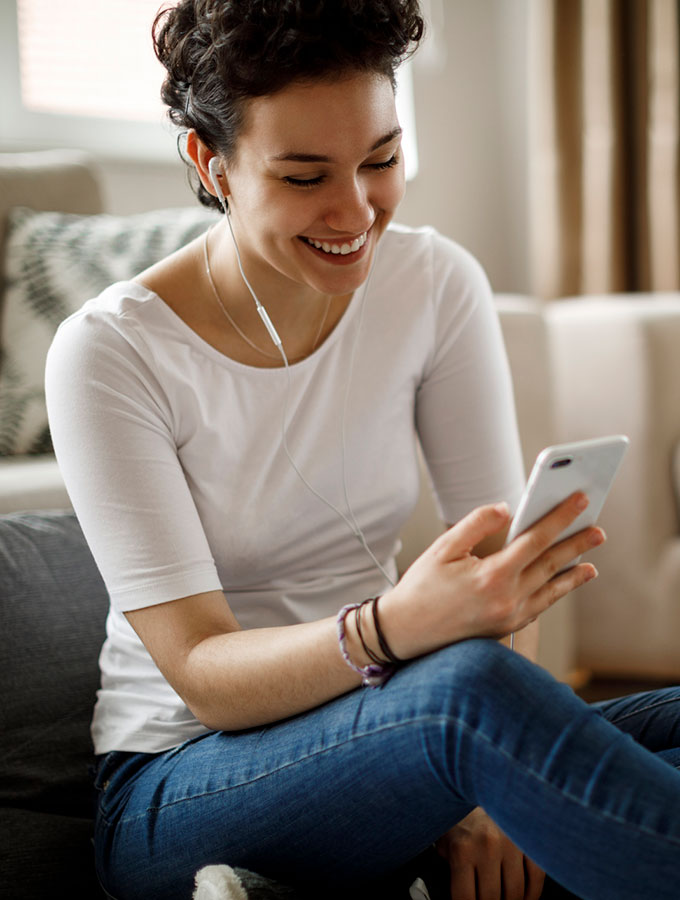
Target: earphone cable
x=350 y=522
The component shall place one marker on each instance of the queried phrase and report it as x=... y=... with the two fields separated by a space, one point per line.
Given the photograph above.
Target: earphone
x=213 y=169
x=351 y=522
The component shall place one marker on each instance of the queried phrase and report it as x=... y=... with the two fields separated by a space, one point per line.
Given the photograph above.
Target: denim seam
x=440 y=720
x=642 y=709
x=308 y=756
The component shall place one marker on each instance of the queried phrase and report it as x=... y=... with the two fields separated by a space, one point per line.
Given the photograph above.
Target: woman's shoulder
x=415 y=244
x=425 y=255
x=109 y=310
x=113 y=329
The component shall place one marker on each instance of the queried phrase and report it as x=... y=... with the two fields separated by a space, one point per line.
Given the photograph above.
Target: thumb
x=481 y=523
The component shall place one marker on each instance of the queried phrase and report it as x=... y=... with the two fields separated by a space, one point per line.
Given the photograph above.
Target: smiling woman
x=296 y=183
x=237 y=427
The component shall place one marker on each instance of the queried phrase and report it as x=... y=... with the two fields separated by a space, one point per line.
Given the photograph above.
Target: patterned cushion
x=54 y=262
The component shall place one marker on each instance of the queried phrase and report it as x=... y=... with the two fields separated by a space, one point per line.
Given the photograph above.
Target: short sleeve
x=112 y=430
x=465 y=412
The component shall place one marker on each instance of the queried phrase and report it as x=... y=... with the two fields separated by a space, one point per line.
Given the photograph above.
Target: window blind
x=89 y=58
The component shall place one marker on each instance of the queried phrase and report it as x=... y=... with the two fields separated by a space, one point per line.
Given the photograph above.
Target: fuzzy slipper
x=221 y=882
x=224 y=883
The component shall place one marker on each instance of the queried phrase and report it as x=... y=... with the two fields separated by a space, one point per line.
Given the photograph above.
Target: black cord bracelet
x=357 y=621
x=384 y=646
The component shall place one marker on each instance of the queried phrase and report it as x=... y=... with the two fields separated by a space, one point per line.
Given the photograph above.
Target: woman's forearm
x=249 y=678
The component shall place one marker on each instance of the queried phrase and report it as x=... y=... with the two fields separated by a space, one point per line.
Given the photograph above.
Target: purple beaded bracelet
x=372 y=675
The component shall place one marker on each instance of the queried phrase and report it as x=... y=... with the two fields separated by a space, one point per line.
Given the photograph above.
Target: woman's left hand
x=485 y=864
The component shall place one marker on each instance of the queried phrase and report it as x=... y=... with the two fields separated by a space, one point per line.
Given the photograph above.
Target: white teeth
x=342 y=249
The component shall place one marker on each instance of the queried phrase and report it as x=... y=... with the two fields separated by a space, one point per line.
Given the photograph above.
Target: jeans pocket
x=105 y=766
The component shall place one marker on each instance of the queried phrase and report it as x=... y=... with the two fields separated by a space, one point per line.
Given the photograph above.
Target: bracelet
x=373 y=675
x=357 y=622
x=384 y=646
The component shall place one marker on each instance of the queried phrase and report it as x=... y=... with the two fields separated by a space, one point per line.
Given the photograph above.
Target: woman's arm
x=233 y=679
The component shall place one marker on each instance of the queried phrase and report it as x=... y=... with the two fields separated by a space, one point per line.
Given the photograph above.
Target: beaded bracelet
x=372 y=675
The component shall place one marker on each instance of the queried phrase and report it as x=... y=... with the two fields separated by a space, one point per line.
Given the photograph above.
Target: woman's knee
x=475 y=664
x=461 y=677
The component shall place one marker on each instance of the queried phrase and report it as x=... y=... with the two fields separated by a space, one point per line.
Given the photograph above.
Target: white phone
x=588 y=466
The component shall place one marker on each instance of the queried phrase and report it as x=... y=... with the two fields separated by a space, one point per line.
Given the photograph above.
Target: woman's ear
x=212 y=178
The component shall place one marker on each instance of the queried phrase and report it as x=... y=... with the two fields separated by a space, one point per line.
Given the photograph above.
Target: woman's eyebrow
x=317 y=157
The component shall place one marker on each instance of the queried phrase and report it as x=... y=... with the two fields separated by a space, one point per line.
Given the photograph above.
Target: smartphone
x=588 y=466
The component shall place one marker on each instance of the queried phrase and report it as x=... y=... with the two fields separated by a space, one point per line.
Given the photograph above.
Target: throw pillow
x=54 y=262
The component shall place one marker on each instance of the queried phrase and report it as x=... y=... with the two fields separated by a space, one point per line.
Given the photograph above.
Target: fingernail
x=593 y=574
x=502 y=508
x=597 y=538
x=581 y=501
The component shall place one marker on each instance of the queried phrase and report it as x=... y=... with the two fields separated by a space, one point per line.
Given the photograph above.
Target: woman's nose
x=351 y=211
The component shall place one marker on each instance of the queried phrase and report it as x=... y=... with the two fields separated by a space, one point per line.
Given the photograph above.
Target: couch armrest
x=616 y=368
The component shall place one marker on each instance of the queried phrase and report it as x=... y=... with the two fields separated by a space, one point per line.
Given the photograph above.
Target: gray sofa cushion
x=53 y=607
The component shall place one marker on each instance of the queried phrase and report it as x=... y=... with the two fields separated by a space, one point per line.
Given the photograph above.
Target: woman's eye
x=318 y=179
x=303 y=182
x=388 y=164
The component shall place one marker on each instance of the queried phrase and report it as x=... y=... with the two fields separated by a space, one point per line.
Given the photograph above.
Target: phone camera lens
x=561 y=463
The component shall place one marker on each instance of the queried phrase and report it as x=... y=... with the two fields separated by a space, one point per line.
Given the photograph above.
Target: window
x=82 y=73
x=89 y=58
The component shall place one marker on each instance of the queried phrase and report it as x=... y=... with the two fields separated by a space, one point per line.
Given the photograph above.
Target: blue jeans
x=352 y=790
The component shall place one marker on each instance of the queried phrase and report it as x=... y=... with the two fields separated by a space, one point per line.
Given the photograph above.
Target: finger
x=513 y=876
x=489 y=880
x=557 y=558
x=463 y=883
x=559 y=587
x=534 y=879
x=479 y=524
x=530 y=544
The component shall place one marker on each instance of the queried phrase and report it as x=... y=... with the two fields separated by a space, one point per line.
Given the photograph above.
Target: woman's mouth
x=335 y=248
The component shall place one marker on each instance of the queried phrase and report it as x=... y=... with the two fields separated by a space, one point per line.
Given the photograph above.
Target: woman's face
x=315 y=180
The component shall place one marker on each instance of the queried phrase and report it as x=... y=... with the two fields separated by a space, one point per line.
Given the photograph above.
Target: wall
x=472 y=135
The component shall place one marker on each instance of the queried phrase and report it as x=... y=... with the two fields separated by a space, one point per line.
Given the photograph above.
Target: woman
x=242 y=477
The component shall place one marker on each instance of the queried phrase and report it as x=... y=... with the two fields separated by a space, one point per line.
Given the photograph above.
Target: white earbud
x=214 y=169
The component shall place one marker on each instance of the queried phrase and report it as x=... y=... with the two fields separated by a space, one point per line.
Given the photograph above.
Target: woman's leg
x=359 y=786
x=651 y=718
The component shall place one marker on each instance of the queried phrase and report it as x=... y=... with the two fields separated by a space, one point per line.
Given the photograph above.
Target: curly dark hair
x=220 y=53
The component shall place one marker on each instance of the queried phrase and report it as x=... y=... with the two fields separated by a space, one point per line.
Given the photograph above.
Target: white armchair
x=616 y=368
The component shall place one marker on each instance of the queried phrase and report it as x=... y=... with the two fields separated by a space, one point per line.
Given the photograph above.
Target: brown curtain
x=604 y=143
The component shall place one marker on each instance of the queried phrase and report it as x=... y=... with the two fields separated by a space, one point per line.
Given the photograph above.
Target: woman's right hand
x=449 y=594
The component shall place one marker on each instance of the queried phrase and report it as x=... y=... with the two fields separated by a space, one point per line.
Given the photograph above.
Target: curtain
x=604 y=146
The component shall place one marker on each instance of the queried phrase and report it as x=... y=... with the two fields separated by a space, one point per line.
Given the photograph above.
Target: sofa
x=53 y=606
x=581 y=367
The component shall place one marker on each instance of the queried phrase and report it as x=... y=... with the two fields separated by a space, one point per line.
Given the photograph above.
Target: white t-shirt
x=172 y=455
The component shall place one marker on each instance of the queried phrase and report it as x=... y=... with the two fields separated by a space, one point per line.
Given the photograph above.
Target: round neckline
x=228 y=361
